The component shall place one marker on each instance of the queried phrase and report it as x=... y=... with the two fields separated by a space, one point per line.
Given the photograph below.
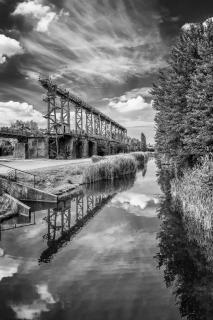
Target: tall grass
x=140 y=156
x=195 y=193
x=110 y=168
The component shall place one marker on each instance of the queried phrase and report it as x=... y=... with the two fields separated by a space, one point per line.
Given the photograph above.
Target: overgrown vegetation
x=110 y=168
x=183 y=96
x=195 y=192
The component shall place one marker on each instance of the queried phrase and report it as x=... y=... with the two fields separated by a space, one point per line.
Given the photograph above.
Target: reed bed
x=140 y=156
x=110 y=168
x=195 y=193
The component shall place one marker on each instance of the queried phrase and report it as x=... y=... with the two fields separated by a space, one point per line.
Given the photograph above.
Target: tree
x=25 y=125
x=143 y=142
x=172 y=93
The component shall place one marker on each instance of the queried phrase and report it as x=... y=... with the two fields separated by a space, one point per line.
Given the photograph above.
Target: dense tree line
x=183 y=95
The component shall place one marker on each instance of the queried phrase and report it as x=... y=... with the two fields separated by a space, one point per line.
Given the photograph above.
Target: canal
x=95 y=256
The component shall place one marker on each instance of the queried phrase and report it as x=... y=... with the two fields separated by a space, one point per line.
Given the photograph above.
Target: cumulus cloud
x=43 y=14
x=130 y=105
x=8 y=266
x=136 y=99
x=11 y=111
x=8 y=48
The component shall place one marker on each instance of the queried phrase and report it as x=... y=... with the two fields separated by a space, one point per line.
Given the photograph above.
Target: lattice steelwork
x=89 y=123
x=65 y=115
x=79 y=207
x=103 y=127
x=108 y=129
x=96 y=124
x=90 y=203
x=78 y=119
x=61 y=228
x=59 y=220
x=58 y=117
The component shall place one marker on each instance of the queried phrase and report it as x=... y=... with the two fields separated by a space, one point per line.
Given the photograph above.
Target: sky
x=106 y=51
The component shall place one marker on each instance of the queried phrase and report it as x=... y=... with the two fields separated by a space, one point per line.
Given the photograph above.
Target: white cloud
x=8 y=266
x=43 y=24
x=29 y=312
x=33 y=8
x=11 y=111
x=135 y=203
x=8 y=48
x=133 y=104
x=44 y=293
x=33 y=311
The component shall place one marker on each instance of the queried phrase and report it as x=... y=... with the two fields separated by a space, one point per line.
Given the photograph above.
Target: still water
x=95 y=256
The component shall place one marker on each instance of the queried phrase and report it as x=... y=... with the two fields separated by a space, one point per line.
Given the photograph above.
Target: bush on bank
x=195 y=192
x=110 y=168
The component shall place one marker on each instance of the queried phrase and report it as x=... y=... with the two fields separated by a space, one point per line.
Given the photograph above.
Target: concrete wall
x=19 y=150
x=37 y=148
x=34 y=148
x=22 y=192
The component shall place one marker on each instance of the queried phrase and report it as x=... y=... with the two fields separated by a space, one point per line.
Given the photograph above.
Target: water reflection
x=106 y=272
x=186 y=266
x=65 y=220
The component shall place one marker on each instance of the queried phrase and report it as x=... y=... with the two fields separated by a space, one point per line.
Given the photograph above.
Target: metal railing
x=15 y=177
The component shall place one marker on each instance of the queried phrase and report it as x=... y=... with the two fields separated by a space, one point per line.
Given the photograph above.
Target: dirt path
x=33 y=164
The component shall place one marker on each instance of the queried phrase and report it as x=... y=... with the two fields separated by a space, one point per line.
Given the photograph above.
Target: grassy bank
x=110 y=168
x=60 y=179
x=195 y=193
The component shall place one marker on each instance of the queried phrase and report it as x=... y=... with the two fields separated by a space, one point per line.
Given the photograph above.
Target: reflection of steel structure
x=65 y=221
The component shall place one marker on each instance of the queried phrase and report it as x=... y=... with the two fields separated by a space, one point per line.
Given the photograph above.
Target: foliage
x=6 y=147
x=183 y=96
x=183 y=255
x=110 y=168
x=25 y=125
x=143 y=142
x=140 y=156
x=194 y=191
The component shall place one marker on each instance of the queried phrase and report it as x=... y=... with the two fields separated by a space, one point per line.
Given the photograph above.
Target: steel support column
x=78 y=119
x=89 y=123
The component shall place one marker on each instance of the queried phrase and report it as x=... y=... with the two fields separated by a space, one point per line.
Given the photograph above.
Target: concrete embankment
x=11 y=207
x=23 y=192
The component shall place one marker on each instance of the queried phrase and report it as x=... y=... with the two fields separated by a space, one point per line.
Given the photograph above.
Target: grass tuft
x=195 y=192
x=110 y=168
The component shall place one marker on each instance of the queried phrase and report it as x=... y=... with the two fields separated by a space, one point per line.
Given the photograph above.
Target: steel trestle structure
x=89 y=123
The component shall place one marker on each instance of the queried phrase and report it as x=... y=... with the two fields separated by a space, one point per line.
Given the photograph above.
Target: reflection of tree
x=184 y=262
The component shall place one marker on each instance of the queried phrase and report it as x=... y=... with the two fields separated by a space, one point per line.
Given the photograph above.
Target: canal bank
x=53 y=183
x=92 y=255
